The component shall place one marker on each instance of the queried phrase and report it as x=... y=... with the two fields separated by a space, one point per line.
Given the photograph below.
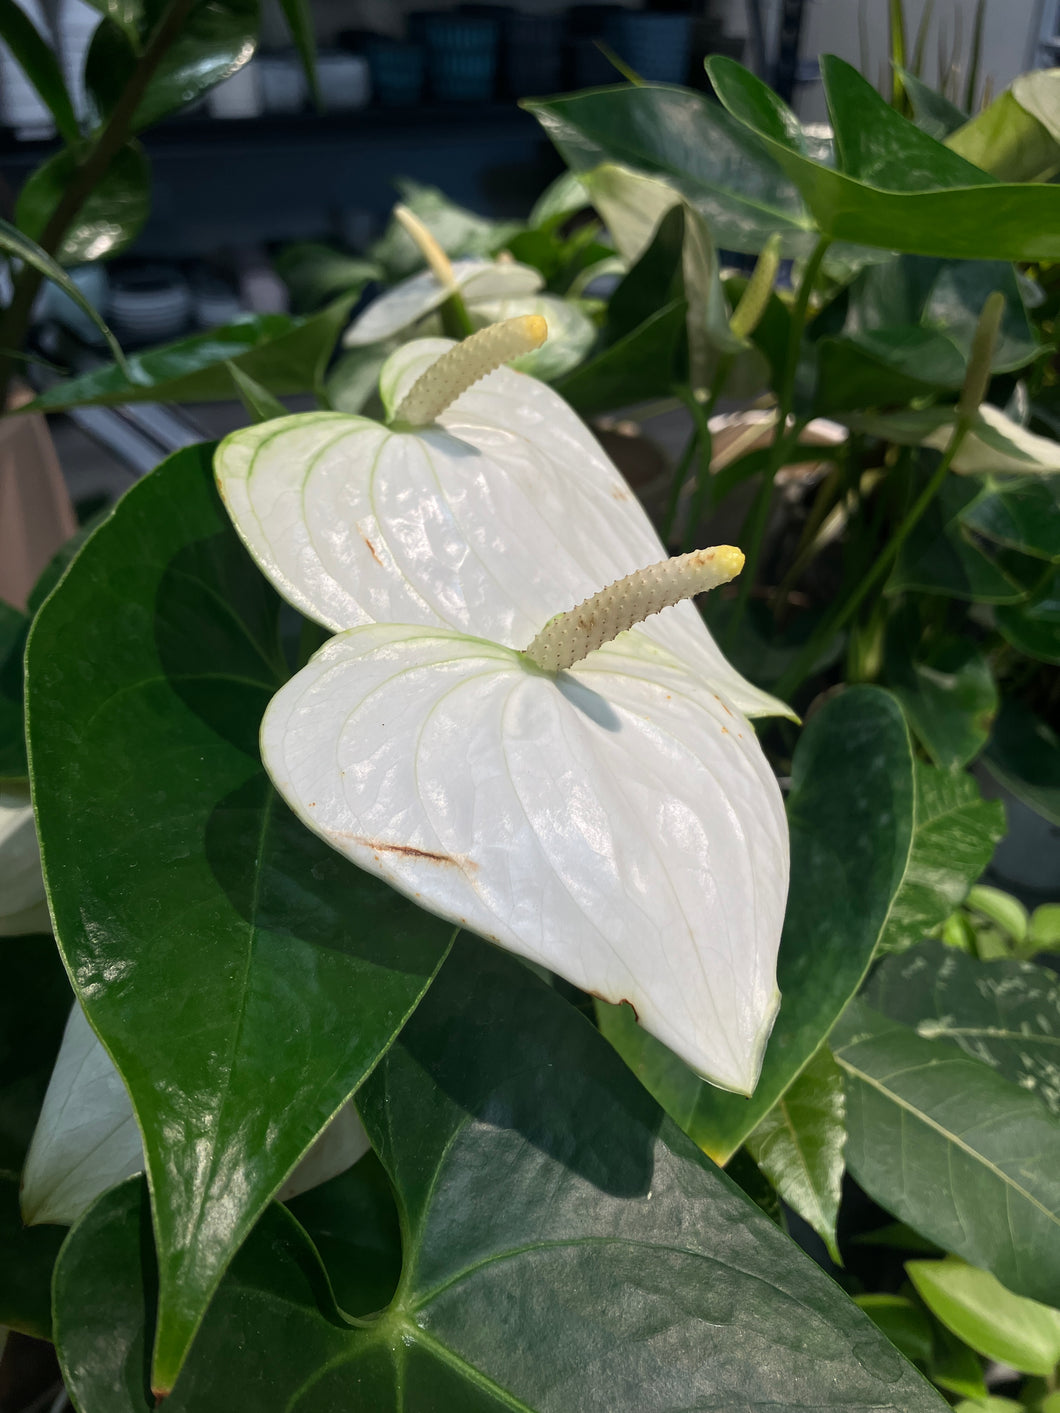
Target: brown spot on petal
x=371 y=547
x=408 y=851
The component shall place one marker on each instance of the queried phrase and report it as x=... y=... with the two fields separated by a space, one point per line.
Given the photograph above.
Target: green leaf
x=258 y=401
x=946 y=689
x=1024 y=755
x=315 y=274
x=903 y=1322
x=940 y=205
x=27 y=1257
x=1008 y=142
x=639 y=366
x=940 y=557
x=14 y=630
x=174 y=872
x=799 y=1146
x=126 y=13
x=38 y=61
x=300 y=22
x=457 y=230
x=949 y=1145
x=1005 y=1014
x=1043 y=932
x=109 y=220
x=283 y=355
x=1033 y=627
x=979 y=1310
x=215 y=39
x=954 y=837
x=932 y=111
x=353 y=379
x=850 y=813
x=720 y=168
x=13 y=242
x=565 y=1249
x=1021 y=514
x=1001 y=908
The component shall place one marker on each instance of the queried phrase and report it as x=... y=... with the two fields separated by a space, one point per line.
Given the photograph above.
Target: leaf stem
x=846 y=608
x=109 y=141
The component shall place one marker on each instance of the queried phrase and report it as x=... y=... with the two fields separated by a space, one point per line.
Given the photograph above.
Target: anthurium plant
x=477 y=941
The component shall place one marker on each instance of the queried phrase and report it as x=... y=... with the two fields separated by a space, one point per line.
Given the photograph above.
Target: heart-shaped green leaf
x=111 y=217
x=565 y=1249
x=243 y=977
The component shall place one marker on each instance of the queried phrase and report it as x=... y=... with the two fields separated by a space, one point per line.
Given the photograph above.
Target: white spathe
x=618 y=822
x=87 y=1139
x=993 y=445
x=477 y=281
x=23 y=907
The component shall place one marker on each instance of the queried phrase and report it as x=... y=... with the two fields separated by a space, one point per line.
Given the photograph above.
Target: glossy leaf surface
x=946 y=689
x=954 y=835
x=799 y=1146
x=900 y=190
x=995 y=445
x=1033 y=627
x=632 y=1271
x=1006 y=1014
x=198 y=931
x=1024 y=754
x=850 y=815
x=710 y=159
x=638 y=366
x=284 y=355
x=109 y=220
x=1022 y=515
x=946 y=1144
x=39 y=62
x=940 y=556
x=1020 y=1333
x=216 y=38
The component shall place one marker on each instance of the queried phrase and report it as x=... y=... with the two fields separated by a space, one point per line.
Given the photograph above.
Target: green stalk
x=701 y=415
x=677 y=483
x=897 y=15
x=109 y=141
x=755 y=525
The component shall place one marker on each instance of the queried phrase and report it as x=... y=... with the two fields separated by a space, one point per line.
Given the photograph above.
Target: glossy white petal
x=23 y=908
x=87 y=1139
x=491 y=522
x=413 y=299
x=617 y=823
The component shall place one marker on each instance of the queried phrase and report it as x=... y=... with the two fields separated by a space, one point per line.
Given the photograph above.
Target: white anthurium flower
x=23 y=907
x=476 y=281
x=87 y=1139
x=571 y=333
x=613 y=819
x=994 y=444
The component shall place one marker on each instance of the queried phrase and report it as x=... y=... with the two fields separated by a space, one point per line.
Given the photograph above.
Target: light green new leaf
x=954 y=836
x=799 y=1146
x=1021 y=1333
x=1008 y=142
x=946 y=1143
x=87 y=1140
x=850 y=813
x=566 y=1250
x=1003 y=1013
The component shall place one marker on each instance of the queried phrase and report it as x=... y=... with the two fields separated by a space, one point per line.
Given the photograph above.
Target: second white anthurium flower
x=610 y=815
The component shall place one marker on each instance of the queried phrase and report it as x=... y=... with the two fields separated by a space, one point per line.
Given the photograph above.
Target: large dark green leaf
x=799 y=1146
x=112 y=216
x=242 y=975
x=1023 y=753
x=284 y=355
x=721 y=169
x=27 y=1256
x=14 y=629
x=954 y=837
x=946 y=688
x=951 y=1147
x=937 y=203
x=940 y=556
x=40 y=64
x=565 y=1249
x=850 y=813
x=639 y=366
x=1004 y=1013
x=1034 y=626
x=1019 y=513
x=216 y=38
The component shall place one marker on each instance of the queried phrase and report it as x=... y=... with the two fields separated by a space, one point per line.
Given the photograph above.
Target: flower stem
x=758 y=516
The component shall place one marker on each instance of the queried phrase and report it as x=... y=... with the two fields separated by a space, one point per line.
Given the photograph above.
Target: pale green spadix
x=617 y=821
